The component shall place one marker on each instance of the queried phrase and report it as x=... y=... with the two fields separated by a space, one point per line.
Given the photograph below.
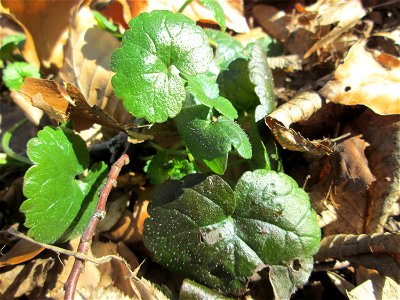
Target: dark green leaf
x=9 y=44
x=191 y=290
x=235 y=85
x=219 y=237
x=59 y=205
x=158 y=47
x=227 y=48
x=205 y=90
x=15 y=73
x=217 y=11
x=208 y=140
x=269 y=46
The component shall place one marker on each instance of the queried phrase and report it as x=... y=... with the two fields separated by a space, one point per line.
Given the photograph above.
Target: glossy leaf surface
x=60 y=203
x=219 y=237
x=158 y=47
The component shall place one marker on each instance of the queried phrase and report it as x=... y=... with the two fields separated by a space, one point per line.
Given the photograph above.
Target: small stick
x=86 y=239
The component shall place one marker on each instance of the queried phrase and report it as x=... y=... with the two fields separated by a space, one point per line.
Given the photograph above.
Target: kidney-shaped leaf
x=59 y=206
x=155 y=50
x=219 y=237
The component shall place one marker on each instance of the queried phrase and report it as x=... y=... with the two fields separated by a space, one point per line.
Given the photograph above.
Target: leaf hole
x=347 y=88
x=296 y=265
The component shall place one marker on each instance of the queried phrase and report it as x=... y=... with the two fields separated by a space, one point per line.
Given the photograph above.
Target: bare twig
x=86 y=239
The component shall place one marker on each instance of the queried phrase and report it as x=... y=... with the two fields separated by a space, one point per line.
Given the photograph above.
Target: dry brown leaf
x=300 y=108
x=22 y=280
x=363 y=80
x=116 y=206
x=380 y=251
x=343 y=187
x=383 y=135
x=251 y=36
x=87 y=64
x=341 y=284
x=377 y=287
x=46 y=95
x=33 y=114
x=45 y=23
x=21 y=252
x=273 y=21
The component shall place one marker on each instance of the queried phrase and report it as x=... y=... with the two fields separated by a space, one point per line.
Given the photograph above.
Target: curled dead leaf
x=300 y=108
x=363 y=80
x=380 y=251
x=21 y=252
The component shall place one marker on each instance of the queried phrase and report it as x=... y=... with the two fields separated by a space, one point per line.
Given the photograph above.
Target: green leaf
x=217 y=165
x=205 y=90
x=261 y=76
x=9 y=44
x=235 y=85
x=191 y=290
x=217 y=11
x=161 y=167
x=220 y=237
x=158 y=47
x=227 y=48
x=271 y=47
x=208 y=140
x=15 y=73
x=59 y=203
x=106 y=24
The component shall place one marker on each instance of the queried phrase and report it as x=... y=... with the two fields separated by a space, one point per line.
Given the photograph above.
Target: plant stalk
x=184 y=5
x=98 y=215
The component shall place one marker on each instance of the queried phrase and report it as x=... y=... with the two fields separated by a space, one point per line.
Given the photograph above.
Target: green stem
x=184 y=5
x=5 y=144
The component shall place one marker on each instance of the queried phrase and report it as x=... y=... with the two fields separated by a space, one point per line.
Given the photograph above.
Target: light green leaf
x=106 y=24
x=208 y=140
x=235 y=85
x=191 y=290
x=158 y=47
x=217 y=11
x=15 y=73
x=227 y=48
x=220 y=237
x=217 y=165
x=205 y=90
x=59 y=203
x=261 y=76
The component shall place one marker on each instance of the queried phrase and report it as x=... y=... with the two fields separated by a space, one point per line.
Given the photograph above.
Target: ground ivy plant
x=166 y=69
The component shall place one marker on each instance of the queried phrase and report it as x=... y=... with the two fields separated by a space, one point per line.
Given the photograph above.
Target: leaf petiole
x=5 y=144
x=184 y=5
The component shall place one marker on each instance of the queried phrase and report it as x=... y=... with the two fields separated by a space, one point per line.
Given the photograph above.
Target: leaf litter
x=341 y=131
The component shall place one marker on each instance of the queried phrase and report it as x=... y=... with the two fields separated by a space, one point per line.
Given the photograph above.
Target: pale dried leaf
x=116 y=205
x=33 y=114
x=380 y=251
x=46 y=24
x=23 y=279
x=292 y=62
x=300 y=108
x=251 y=36
x=380 y=287
x=341 y=284
x=87 y=64
x=362 y=80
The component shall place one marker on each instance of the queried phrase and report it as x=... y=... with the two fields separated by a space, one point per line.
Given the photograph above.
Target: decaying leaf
x=22 y=280
x=300 y=108
x=273 y=21
x=21 y=252
x=363 y=80
x=378 y=251
x=60 y=104
x=87 y=64
x=382 y=133
x=45 y=23
x=343 y=186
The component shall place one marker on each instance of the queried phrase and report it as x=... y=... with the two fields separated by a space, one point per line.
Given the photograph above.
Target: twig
x=86 y=239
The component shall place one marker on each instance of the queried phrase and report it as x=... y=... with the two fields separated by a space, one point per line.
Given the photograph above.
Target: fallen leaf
x=233 y=10
x=87 y=64
x=21 y=252
x=341 y=284
x=382 y=133
x=45 y=23
x=380 y=251
x=300 y=108
x=24 y=279
x=343 y=186
x=363 y=80
x=116 y=205
x=273 y=21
